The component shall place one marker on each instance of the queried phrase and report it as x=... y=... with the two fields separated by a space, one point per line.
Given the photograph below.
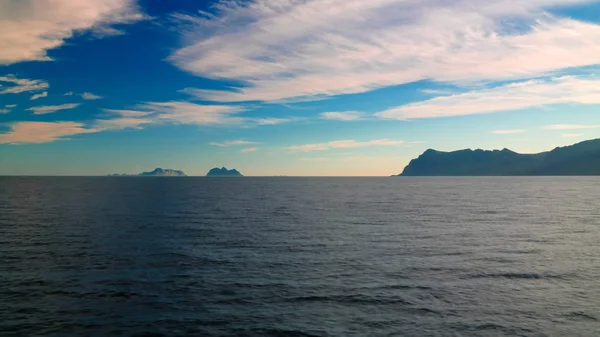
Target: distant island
x=579 y=159
x=159 y=172
x=223 y=172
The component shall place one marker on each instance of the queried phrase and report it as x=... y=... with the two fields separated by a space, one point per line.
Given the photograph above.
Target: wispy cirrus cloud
x=507 y=132
x=533 y=93
x=28 y=29
x=46 y=109
x=42 y=132
x=88 y=96
x=4 y=111
x=121 y=123
x=19 y=85
x=569 y=127
x=191 y=113
x=249 y=149
x=40 y=95
x=273 y=121
x=342 y=115
x=310 y=49
x=345 y=144
x=10 y=106
x=128 y=113
x=236 y=142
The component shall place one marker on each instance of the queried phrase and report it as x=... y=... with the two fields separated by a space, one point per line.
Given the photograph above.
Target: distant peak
x=224 y=172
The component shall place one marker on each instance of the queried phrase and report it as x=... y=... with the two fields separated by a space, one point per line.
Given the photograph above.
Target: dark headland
x=575 y=160
x=223 y=172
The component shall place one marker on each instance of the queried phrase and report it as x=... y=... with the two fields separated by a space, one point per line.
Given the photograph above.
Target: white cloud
x=342 y=116
x=4 y=111
x=41 y=132
x=273 y=121
x=89 y=96
x=28 y=29
x=533 y=93
x=344 y=144
x=569 y=127
x=232 y=143
x=70 y=93
x=19 y=85
x=10 y=106
x=36 y=96
x=507 y=132
x=250 y=149
x=190 y=113
x=283 y=49
x=128 y=113
x=46 y=109
x=121 y=123
x=572 y=135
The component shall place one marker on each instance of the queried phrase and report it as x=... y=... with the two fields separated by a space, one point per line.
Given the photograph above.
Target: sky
x=289 y=87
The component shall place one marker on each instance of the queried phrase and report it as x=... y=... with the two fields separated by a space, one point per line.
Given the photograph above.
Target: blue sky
x=289 y=87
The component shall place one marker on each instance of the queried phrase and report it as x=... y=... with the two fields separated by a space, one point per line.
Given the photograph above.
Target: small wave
x=276 y=332
x=580 y=315
x=518 y=276
x=351 y=299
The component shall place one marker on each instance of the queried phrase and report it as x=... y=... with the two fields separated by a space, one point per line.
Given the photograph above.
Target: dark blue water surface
x=128 y=256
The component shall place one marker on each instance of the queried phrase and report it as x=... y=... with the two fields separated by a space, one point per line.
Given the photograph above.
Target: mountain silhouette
x=579 y=159
x=223 y=172
x=159 y=172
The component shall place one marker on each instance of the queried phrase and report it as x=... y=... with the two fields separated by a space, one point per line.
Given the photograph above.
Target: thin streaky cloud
x=128 y=113
x=344 y=144
x=180 y=112
x=89 y=96
x=70 y=93
x=248 y=150
x=232 y=143
x=10 y=106
x=342 y=115
x=4 y=111
x=514 y=96
x=273 y=121
x=40 y=95
x=20 y=85
x=121 y=123
x=46 y=109
x=569 y=127
x=42 y=132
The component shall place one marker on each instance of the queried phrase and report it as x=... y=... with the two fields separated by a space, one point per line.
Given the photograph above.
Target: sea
x=285 y=256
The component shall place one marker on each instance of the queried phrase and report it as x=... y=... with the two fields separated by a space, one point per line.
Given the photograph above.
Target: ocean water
x=131 y=256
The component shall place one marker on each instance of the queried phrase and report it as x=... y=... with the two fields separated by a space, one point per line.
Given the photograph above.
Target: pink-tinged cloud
x=28 y=29
x=42 y=132
x=285 y=49
x=18 y=85
x=522 y=95
x=47 y=109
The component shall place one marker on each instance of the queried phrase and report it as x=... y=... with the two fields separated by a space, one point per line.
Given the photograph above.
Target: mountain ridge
x=578 y=159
